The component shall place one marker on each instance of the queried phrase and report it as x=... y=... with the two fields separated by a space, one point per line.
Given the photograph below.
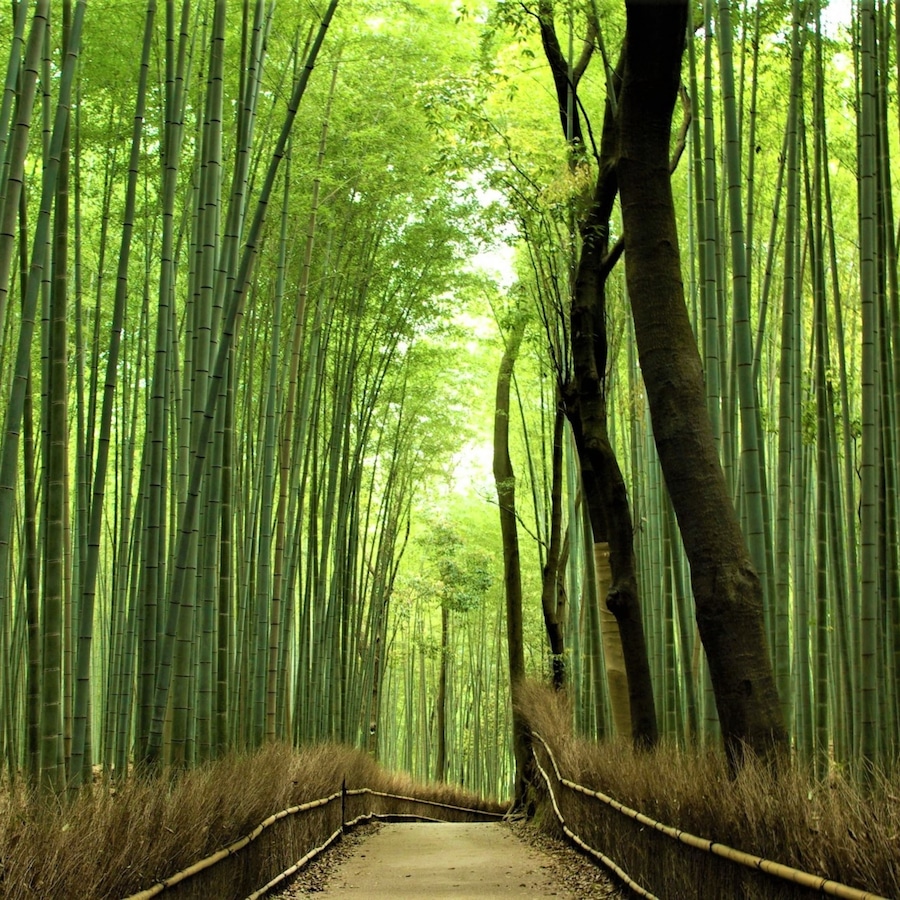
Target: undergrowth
x=115 y=839
x=832 y=828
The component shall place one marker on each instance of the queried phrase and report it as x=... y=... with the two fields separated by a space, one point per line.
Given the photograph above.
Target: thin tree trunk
x=55 y=608
x=81 y=760
x=505 y=480
x=788 y=462
x=179 y=613
x=751 y=458
x=552 y=588
x=440 y=766
x=32 y=595
x=868 y=469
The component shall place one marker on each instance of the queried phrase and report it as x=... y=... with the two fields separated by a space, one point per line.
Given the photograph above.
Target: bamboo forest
x=362 y=362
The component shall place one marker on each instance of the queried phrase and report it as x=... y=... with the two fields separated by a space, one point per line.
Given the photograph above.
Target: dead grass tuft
x=832 y=829
x=114 y=841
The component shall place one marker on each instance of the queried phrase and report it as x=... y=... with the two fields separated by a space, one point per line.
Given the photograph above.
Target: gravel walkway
x=486 y=861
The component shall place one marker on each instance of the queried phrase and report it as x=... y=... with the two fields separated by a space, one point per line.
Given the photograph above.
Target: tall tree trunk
x=586 y=394
x=32 y=599
x=81 y=743
x=440 y=766
x=512 y=576
x=726 y=587
x=868 y=466
x=604 y=487
x=552 y=586
x=55 y=605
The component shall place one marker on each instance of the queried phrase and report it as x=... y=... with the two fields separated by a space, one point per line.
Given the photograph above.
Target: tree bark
x=607 y=496
x=552 y=588
x=505 y=480
x=585 y=396
x=727 y=590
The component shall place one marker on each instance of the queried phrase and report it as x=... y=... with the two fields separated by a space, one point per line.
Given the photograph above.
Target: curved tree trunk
x=613 y=651
x=726 y=587
x=606 y=498
x=585 y=396
x=604 y=487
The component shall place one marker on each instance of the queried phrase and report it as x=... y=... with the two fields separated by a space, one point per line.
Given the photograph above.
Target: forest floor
x=451 y=860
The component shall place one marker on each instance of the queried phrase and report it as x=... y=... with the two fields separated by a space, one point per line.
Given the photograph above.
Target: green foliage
x=439 y=139
x=464 y=574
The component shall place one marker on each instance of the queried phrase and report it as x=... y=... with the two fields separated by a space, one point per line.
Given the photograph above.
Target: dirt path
x=446 y=860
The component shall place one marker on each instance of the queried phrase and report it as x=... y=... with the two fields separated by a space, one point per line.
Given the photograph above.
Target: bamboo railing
x=341 y=795
x=777 y=870
x=787 y=874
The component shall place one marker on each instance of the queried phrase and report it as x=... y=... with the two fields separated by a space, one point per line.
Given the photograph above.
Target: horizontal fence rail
x=609 y=863
x=341 y=795
x=231 y=849
x=776 y=870
x=297 y=866
x=434 y=803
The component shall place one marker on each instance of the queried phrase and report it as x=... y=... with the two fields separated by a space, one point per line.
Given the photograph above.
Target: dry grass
x=111 y=843
x=831 y=829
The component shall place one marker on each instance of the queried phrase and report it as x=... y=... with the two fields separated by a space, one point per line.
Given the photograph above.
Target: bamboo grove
x=243 y=350
x=220 y=348
x=781 y=168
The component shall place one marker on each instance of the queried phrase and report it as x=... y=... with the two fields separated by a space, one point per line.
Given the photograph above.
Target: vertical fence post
x=343 y=806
